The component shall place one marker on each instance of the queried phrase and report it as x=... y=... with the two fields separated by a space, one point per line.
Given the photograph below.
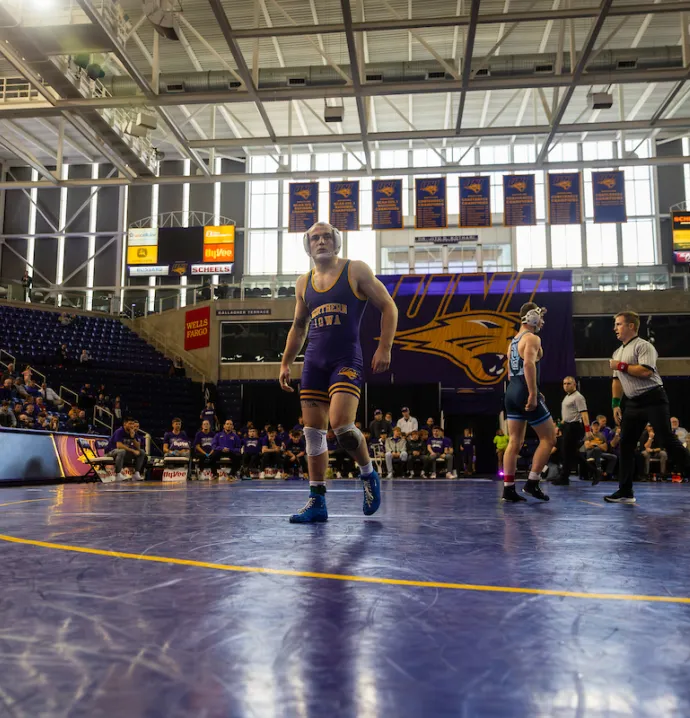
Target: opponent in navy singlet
x=333 y=360
x=518 y=391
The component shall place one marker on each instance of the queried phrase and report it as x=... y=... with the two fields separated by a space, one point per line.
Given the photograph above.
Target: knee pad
x=349 y=437
x=315 y=440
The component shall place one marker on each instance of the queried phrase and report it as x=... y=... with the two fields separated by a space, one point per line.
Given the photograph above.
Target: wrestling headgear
x=337 y=238
x=534 y=318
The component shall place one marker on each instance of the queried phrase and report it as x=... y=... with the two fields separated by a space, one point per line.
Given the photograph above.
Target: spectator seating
x=229 y=404
x=153 y=399
x=35 y=336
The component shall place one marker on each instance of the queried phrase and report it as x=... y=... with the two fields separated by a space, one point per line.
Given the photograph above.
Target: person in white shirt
x=84 y=358
x=407 y=424
x=679 y=431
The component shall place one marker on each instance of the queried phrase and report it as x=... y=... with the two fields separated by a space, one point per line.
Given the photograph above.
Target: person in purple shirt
x=251 y=451
x=209 y=414
x=469 y=455
x=439 y=447
x=203 y=446
x=271 y=453
x=228 y=445
x=295 y=454
x=282 y=436
x=126 y=447
x=176 y=442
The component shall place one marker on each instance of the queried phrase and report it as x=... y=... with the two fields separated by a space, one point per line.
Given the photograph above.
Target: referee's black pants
x=650 y=407
x=573 y=433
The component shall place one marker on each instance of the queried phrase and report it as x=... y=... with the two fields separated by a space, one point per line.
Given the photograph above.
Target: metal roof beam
x=356 y=80
x=467 y=62
x=245 y=177
x=440 y=134
x=144 y=85
x=585 y=54
x=242 y=68
x=575 y=13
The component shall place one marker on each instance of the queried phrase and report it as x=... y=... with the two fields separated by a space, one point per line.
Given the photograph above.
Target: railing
x=35 y=372
x=98 y=413
x=14 y=89
x=5 y=364
x=66 y=390
x=163 y=343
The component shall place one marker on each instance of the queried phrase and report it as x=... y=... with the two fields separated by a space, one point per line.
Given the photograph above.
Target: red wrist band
x=622 y=366
x=587 y=428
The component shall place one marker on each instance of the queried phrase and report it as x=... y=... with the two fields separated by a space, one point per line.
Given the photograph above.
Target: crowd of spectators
x=26 y=404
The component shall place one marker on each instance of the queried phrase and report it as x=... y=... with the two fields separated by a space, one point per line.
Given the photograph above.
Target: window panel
x=263 y=252
x=639 y=246
x=602 y=245
x=497 y=257
x=362 y=246
x=566 y=245
x=295 y=259
x=395 y=260
x=531 y=247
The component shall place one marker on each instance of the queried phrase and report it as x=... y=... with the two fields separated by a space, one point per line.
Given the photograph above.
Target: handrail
x=99 y=411
x=68 y=390
x=4 y=353
x=37 y=373
x=154 y=337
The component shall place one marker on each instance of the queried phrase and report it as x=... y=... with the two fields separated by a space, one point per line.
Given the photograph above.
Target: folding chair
x=101 y=467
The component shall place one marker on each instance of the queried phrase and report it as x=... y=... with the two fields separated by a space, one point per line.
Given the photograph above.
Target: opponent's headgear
x=534 y=317
x=337 y=237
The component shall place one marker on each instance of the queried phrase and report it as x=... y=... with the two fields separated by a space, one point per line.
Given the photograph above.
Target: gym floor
x=202 y=600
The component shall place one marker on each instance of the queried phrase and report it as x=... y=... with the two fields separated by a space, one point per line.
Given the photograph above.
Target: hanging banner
x=387 y=210
x=565 y=198
x=456 y=328
x=196 y=328
x=681 y=236
x=343 y=205
x=303 y=205
x=475 y=202
x=608 y=189
x=431 y=208
x=519 y=208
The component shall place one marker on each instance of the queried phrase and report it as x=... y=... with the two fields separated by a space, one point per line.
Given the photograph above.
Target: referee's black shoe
x=533 y=489
x=619 y=497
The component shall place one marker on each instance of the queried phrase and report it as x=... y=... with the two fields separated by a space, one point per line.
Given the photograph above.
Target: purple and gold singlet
x=333 y=360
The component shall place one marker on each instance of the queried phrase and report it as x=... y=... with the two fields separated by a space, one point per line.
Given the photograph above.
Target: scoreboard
x=180 y=251
x=681 y=236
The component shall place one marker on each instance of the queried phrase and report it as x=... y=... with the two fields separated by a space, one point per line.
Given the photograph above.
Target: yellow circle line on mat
x=28 y=501
x=344 y=577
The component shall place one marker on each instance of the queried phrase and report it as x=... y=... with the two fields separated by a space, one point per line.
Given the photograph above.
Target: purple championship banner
x=565 y=198
x=431 y=208
x=303 y=206
x=455 y=328
x=475 y=202
x=343 y=205
x=387 y=204
x=519 y=206
x=608 y=190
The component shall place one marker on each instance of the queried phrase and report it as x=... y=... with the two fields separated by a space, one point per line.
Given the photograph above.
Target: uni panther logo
x=608 y=182
x=564 y=184
x=387 y=189
x=304 y=193
x=475 y=187
x=351 y=374
x=471 y=321
x=520 y=185
x=475 y=341
x=179 y=268
x=344 y=191
x=432 y=189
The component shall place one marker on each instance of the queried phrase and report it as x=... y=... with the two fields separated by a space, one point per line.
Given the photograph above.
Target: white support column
x=93 y=216
x=121 y=254
x=151 y=304
x=185 y=223
x=62 y=218
x=31 y=241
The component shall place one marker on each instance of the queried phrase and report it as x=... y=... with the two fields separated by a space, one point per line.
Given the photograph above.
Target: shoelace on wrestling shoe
x=368 y=494
x=310 y=503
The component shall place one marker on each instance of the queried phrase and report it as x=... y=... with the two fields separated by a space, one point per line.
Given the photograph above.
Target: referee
x=575 y=420
x=635 y=376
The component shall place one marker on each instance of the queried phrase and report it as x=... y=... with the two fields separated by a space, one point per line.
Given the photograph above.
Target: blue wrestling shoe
x=314 y=511
x=371 y=483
